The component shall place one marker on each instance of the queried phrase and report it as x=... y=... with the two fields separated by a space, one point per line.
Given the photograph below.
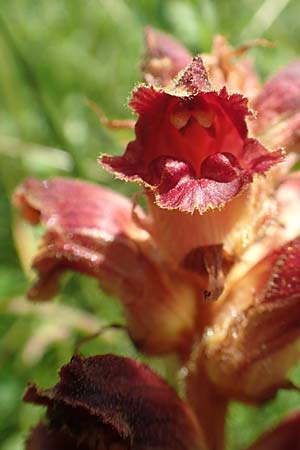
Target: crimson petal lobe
x=118 y=400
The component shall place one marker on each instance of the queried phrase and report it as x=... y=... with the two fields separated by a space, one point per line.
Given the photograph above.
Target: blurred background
x=53 y=56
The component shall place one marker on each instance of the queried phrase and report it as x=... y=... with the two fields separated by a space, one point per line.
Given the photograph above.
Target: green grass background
x=53 y=55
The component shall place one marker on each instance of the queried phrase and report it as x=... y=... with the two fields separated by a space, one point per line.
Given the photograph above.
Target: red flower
x=193 y=154
x=112 y=402
x=191 y=148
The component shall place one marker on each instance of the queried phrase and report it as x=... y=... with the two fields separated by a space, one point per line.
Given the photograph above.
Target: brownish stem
x=209 y=405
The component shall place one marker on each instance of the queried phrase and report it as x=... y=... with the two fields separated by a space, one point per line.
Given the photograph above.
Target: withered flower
x=254 y=336
x=228 y=66
x=251 y=341
x=91 y=229
x=44 y=438
x=110 y=402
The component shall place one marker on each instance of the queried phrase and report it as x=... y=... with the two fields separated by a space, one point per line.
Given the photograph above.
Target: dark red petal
x=284 y=282
x=44 y=438
x=180 y=132
x=285 y=436
x=221 y=167
x=221 y=178
x=188 y=193
x=278 y=109
x=164 y=57
x=90 y=229
x=123 y=395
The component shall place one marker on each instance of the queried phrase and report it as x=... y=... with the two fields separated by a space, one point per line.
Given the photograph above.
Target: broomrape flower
x=194 y=157
x=110 y=402
x=222 y=223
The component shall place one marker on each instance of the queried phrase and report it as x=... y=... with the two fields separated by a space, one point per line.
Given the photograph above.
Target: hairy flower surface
x=191 y=148
x=254 y=336
x=110 y=402
x=222 y=223
x=193 y=154
x=252 y=339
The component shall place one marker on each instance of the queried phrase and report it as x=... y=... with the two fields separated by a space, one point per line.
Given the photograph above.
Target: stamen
x=204 y=118
x=179 y=119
